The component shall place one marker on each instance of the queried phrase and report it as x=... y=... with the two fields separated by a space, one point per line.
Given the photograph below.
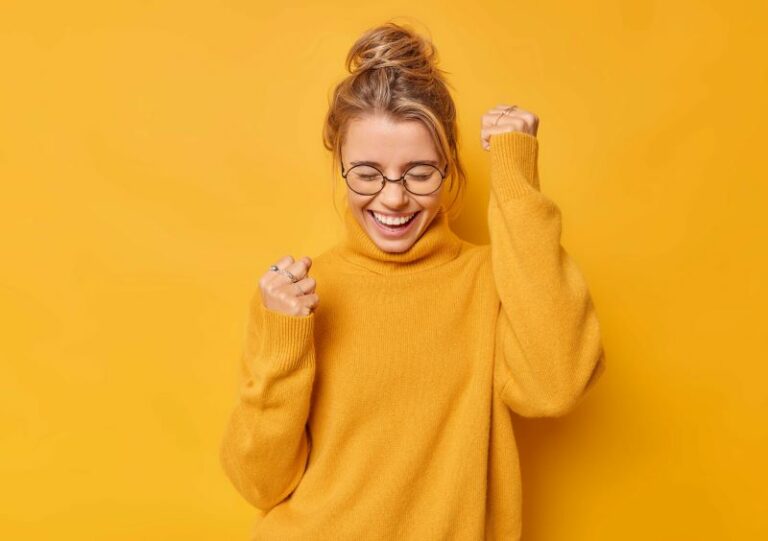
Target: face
x=391 y=144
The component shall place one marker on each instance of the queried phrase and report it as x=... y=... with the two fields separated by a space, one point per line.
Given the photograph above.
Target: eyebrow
x=412 y=162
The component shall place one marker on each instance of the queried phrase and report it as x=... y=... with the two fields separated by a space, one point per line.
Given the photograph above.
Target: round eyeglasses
x=419 y=179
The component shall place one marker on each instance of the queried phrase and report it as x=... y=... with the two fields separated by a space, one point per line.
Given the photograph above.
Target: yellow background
x=155 y=157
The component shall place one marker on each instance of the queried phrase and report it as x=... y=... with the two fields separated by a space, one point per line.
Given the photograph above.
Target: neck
x=437 y=244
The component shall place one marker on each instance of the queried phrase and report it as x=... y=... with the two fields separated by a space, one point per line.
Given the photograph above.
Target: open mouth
x=397 y=228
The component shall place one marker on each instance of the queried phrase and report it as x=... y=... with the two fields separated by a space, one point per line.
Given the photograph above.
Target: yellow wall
x=155 y=157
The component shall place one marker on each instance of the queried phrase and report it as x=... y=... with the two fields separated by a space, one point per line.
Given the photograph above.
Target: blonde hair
x=393 y=71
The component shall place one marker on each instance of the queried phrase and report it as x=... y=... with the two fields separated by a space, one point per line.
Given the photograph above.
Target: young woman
x=384 y=411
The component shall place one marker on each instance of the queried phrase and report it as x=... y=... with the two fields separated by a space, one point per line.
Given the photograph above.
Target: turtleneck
x=437 y=244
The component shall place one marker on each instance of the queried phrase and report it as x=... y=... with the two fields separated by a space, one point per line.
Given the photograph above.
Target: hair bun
x=392 y=45
x=393 y=73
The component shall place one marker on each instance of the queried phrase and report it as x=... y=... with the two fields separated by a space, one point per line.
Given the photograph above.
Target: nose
x=394 y=194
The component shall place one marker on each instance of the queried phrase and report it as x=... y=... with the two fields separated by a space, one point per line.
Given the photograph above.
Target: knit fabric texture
x=387 y=413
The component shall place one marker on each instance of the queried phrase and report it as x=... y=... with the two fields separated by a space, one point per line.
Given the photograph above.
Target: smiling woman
x=385 y=411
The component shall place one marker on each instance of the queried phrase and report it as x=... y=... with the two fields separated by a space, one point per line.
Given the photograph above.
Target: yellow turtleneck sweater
x=386 y=413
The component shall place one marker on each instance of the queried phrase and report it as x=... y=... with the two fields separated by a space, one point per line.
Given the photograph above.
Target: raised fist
x=291 y=296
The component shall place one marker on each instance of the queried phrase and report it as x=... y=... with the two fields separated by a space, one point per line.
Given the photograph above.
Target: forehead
x=381 y=139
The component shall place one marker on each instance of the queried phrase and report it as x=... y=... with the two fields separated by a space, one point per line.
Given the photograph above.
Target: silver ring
x=504 y=112
x=289 y=275
x=274 y=268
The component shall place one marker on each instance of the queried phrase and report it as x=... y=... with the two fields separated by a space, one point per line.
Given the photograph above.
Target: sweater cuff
x=287 y=341
x=514 y=164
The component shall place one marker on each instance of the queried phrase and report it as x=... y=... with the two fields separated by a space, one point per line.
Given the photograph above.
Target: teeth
x=393 y=221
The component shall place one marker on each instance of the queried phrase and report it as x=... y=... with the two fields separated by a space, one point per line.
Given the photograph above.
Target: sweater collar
x=438 y=244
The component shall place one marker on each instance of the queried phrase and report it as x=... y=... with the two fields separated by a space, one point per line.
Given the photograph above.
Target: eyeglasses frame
x=401 y=179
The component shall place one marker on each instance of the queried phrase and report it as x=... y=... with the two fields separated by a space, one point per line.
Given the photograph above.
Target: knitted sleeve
x=265 y=445
x=548 y=349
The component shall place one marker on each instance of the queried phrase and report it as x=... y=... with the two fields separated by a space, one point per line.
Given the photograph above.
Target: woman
x=384 y=411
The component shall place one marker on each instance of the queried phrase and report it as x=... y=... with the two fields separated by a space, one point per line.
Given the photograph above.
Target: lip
x=392 y=233
x=389 y=214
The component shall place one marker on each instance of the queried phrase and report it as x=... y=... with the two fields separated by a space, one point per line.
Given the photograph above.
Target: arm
x=548 y=350
x=265 y=446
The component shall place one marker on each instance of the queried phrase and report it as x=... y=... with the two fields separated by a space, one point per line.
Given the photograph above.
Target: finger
x=530 y=118
x=271 y=275
x=494 y=112
x=491 y=123
x=298 y=269
x=311 y=301
x=498 y=114
x=294 y=305
x=504 y=106
x=307 y=284
x=512 y=108
x=284 y=261
x=299 y=288
x=304 y=305
x=282 y=264
x=508 y=123
x=513 y=124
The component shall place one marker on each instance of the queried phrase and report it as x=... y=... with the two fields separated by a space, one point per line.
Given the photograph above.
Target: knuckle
x=269 y=288
x=280 y=295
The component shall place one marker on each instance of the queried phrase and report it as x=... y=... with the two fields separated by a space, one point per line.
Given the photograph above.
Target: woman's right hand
x=279 y=294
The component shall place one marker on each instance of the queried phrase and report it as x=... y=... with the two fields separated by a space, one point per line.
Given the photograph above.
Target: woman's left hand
x=502 y=119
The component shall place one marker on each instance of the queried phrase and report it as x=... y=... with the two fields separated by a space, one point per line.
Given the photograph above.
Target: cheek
x=355 y=202
x=433 y=205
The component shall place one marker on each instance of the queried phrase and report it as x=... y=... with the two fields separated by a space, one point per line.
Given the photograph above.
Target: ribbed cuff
x=287 y=341
x=514 y=164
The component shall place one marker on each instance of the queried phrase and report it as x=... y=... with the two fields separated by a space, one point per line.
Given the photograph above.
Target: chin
x=395 y=246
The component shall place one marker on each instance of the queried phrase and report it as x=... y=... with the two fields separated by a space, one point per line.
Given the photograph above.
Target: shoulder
x=476 y=262
x=476 y=254
x=324 y=263
x=324 y=258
